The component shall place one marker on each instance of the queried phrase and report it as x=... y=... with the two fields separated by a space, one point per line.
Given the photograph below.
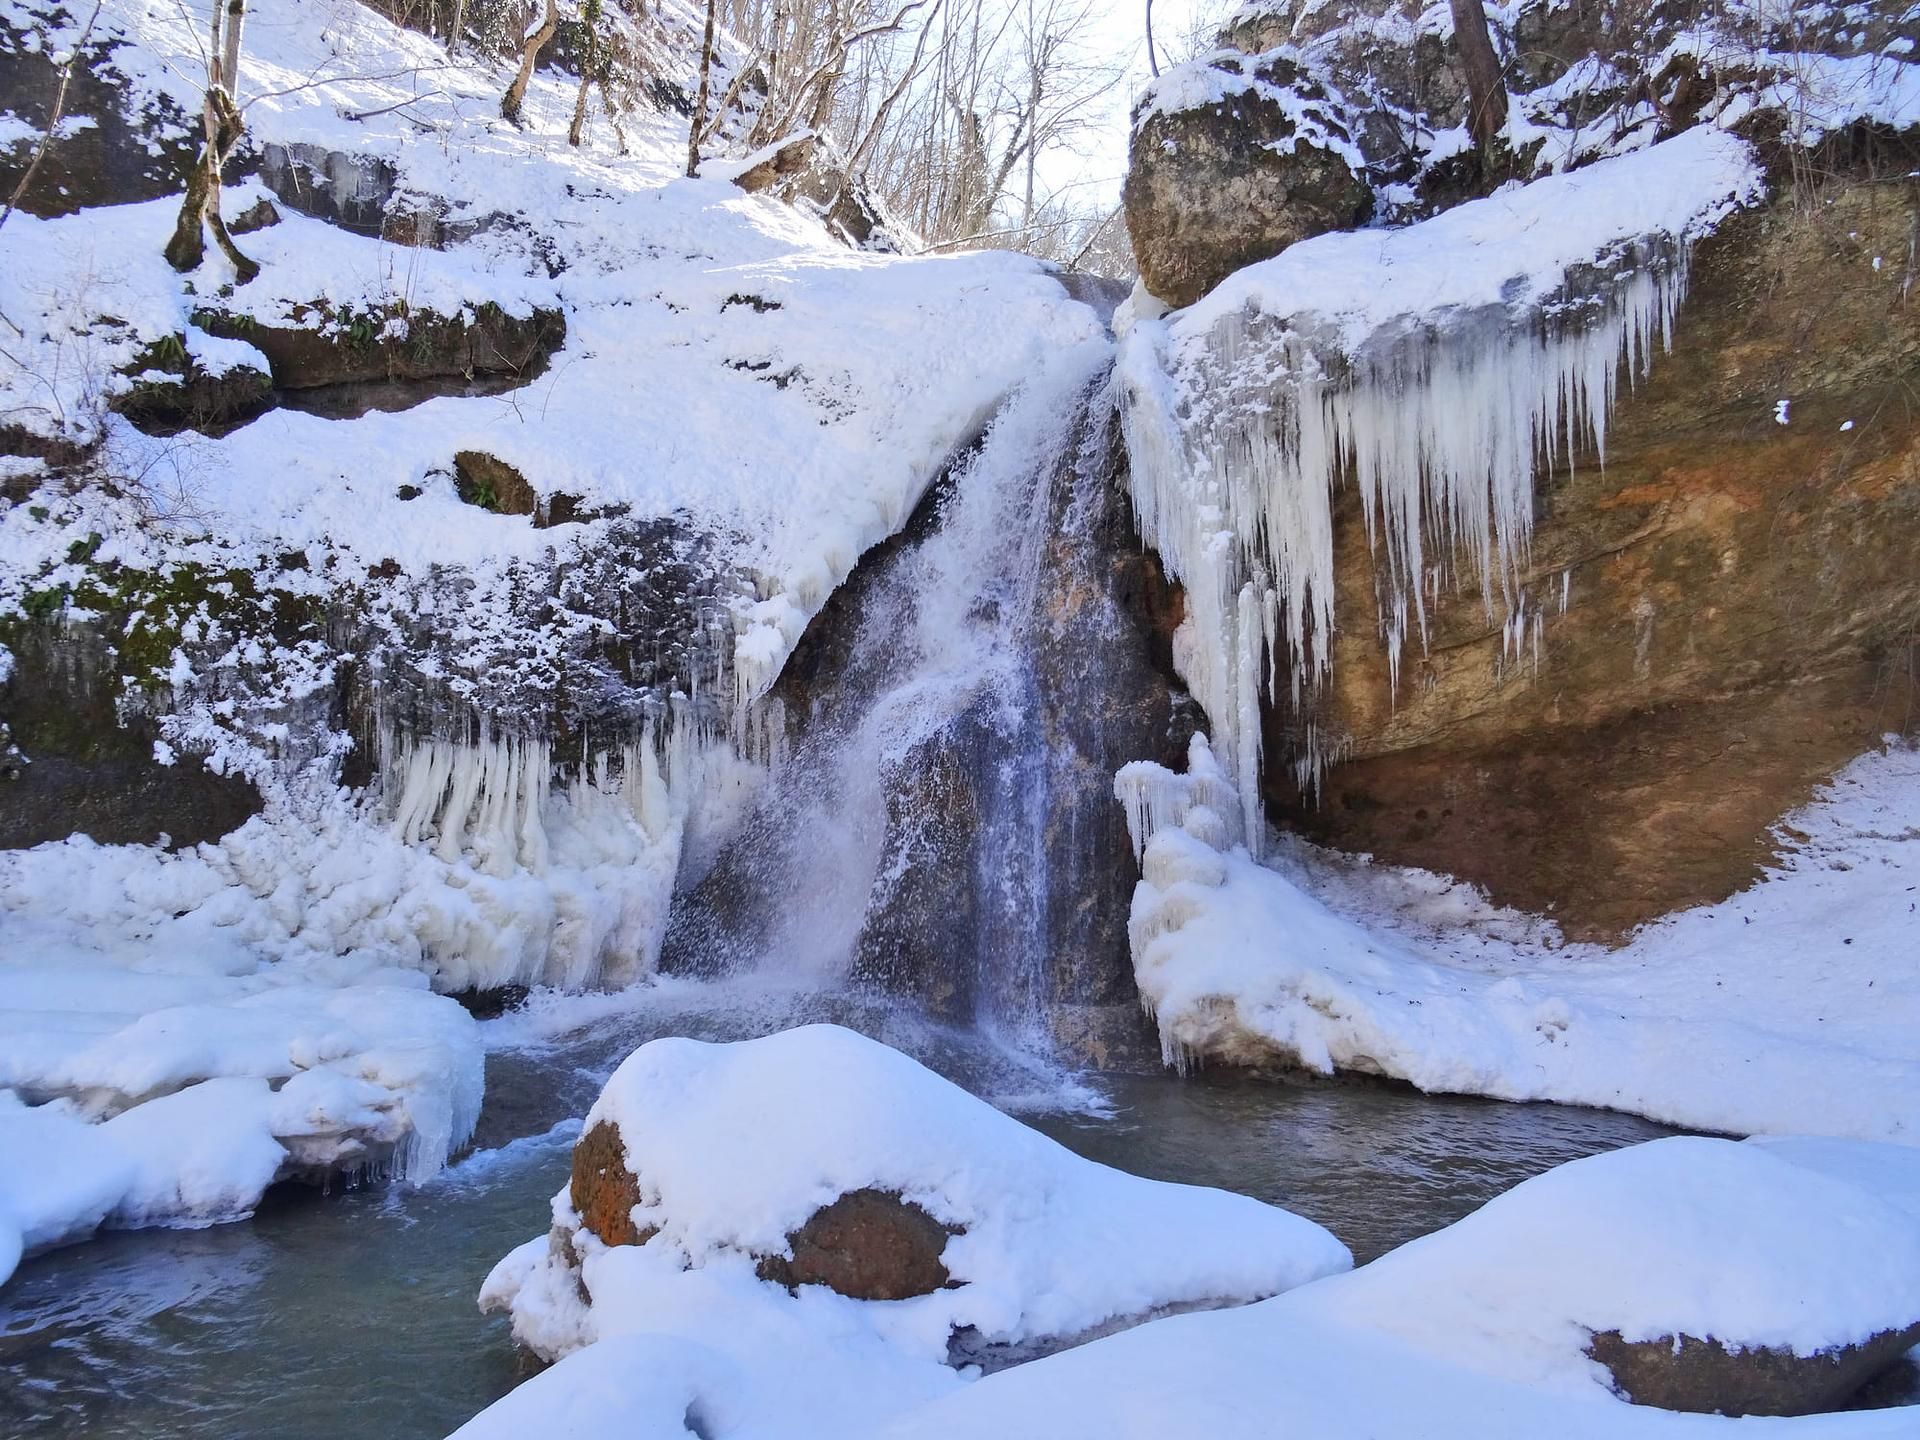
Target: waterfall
x=938 y=782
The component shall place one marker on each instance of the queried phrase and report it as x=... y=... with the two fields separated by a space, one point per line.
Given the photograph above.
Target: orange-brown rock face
x=603 y=1190
x=1741 y=604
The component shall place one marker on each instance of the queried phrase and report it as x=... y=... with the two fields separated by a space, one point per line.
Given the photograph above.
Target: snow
x=736 y=1145
x=1443 y=362
x=165 y=1075
x=1480 y=1330
x=1790 y=1008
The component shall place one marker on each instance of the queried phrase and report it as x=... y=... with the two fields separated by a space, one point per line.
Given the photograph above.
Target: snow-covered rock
x=1482 y=1329
x=170 y=1079
x=734 y=1149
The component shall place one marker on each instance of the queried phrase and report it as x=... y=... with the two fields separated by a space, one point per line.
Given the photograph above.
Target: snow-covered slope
x=1789 y=1009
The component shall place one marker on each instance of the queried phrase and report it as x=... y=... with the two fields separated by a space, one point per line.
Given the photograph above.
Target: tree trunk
x=230 y=62
x=200 y=209
x=699 y=128
x=1486 y=87
x=221 y=121
x=578 y=127
x=516 y=95
x=459 y=24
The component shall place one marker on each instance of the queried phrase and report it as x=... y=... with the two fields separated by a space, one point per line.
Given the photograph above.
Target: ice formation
x=1431 y=369
x=1789 y=1008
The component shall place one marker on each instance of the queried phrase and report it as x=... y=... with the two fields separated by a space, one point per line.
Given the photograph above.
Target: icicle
x=1235 y=448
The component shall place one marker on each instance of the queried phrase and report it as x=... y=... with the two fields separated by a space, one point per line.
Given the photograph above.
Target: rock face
x=321 y=347
x=1229 y=164
x=603 y=1190
x=1725 y=611
x=107 y=152
x=68 y=765
x=1687 y=1373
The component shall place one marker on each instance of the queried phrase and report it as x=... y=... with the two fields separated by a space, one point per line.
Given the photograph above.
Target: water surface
x=354 y=1314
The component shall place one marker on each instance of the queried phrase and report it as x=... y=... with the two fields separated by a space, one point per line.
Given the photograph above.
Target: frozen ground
x=1790 y=1008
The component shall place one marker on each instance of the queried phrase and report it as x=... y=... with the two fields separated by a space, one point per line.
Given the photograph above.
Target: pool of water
x=354 y=1313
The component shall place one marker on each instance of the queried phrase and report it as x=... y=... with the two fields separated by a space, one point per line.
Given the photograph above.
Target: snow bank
x=1481 y=1329
x=169 y=1076
x=1443 y=363
x=1789 y=1008
x=736 y=1146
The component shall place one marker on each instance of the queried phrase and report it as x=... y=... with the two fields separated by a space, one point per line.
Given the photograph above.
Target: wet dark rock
x=258 y=216
x=171 y=393
x=122 y=156
x=868 y=1245
x=1221 y=186
x=322 y=346
x=1707 y=1376
x=354 y=192
x=75 y=768
x=493 y=1002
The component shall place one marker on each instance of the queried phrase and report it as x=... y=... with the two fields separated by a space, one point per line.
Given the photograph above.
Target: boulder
x=870 y=1245
x=1233 y=159
x=807 y=172
x=603 y=1190
x=1684 y=1372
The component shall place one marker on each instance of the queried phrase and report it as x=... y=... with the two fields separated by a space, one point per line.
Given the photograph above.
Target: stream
x=355 y=1313
x=944 y=842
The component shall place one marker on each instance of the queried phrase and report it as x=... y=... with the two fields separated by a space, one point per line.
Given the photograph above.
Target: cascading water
x=914 y=839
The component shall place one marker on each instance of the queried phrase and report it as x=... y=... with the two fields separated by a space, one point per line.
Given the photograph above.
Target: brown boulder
x=1704 y=1376
x=1219 y=186
x=603 y=1190
x=869 y=1245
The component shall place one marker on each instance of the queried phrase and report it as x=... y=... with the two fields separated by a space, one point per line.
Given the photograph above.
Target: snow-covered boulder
x=1232 y=160
x=172 y=1080
x=766 y=1175
x=1703 y=1274
x=1482 y=1329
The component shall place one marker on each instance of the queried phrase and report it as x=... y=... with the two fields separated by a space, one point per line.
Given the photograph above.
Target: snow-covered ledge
x=1440 y=365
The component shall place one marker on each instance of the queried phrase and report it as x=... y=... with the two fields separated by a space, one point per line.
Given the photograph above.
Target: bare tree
x=221 y=121
x=534 y=39
x=697 y=131
x=1486 y=86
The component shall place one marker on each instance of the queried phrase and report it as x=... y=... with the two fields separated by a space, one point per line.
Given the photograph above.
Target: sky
x=1103 y=165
